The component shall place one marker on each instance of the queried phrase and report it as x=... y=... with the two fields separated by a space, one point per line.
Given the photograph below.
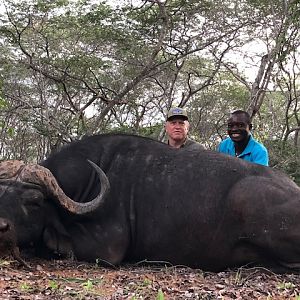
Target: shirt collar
x=182 y=145
x=249 y=147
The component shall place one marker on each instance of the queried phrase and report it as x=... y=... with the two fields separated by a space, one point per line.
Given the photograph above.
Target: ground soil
x=74 y=280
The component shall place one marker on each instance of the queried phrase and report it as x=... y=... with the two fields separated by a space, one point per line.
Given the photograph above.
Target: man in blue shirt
x=240 y=142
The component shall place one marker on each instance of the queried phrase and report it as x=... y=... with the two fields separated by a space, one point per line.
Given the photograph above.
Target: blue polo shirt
x=254 y=152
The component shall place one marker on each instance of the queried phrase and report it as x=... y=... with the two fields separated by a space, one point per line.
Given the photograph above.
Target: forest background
x=81 y=67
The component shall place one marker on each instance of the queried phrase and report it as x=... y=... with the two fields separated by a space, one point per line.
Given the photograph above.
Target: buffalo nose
x=4 y=225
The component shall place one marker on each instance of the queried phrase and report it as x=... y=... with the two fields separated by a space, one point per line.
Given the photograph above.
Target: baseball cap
x=177 y=112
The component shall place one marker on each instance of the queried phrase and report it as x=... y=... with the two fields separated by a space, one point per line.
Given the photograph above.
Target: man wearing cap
x=177 y=128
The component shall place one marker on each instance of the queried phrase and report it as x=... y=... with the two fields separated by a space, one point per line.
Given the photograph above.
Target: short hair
x=242 y=112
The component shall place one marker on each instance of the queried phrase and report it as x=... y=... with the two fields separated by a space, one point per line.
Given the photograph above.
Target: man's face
x=238 y=128
x=177 y=129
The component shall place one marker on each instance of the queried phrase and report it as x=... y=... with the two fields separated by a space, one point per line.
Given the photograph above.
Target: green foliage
x=210 y=109
x=5 y=262
x=10 y=132
x=286 y=286
x=53 y=285
x=286 y=157
x=238 y=277
x=147 y=282
x=3 y=103
x=88 y=285
x=160 y=295
x=151 y=131
x=70 y=68
x=48 y=5
x=266 y=5
x=26 y=287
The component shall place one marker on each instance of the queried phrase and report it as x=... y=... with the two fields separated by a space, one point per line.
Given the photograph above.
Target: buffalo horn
x=36 y=174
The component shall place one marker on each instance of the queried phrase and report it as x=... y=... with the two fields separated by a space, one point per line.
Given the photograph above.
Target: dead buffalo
x=196 y=208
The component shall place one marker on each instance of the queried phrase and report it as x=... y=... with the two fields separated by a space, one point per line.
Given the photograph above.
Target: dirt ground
x=75 y=280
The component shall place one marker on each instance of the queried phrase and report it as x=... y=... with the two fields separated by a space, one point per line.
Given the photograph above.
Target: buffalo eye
x=32 y=199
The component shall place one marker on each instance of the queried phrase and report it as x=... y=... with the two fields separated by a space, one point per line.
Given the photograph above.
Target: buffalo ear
x=56 y=242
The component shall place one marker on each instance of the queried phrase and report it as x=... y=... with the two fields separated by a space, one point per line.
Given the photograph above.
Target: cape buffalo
x=201 y=209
